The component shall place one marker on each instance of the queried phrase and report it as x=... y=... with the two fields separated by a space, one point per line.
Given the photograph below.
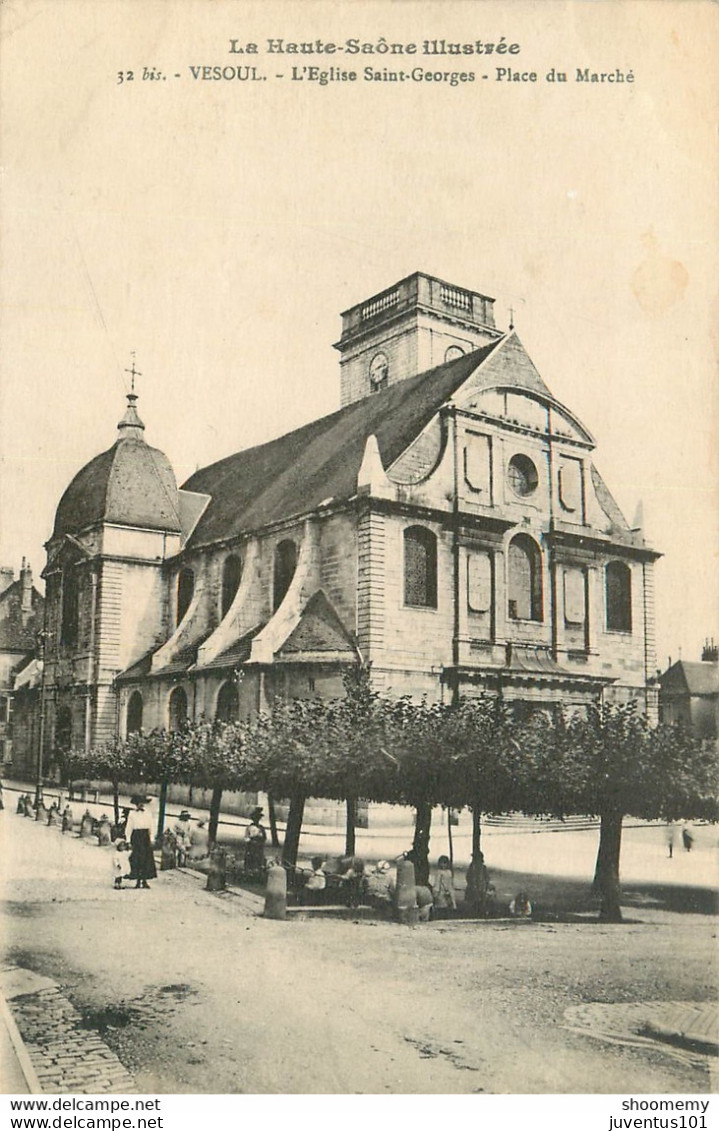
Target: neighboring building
x=21 y=621
x=447 y=524
x=689 y=693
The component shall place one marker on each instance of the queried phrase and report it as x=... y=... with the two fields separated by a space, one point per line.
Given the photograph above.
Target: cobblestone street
x=66 y=1057
x=177 y=990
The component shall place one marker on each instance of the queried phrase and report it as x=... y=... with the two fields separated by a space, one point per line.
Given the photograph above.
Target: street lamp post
x=43 y=638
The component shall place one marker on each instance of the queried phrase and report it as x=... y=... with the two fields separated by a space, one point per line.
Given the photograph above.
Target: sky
x=218 y=229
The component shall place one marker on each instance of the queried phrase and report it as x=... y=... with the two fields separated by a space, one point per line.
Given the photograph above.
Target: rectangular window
x=420 y=567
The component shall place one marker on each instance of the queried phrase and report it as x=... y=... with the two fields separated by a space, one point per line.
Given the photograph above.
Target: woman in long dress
x=138 y=832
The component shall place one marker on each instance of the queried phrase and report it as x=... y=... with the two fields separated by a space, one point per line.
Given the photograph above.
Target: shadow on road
x=568 y=898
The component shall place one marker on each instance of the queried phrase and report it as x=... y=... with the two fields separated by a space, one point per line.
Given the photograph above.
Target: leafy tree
x=286 y=753
x=162 y=756
x=610 y=763
x=484 y=759
x=111 y=760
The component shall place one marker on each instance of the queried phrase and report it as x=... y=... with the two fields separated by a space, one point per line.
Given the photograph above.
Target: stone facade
x=448 y=527
x=21 y=624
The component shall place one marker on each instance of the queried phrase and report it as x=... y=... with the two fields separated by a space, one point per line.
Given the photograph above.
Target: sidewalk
x=687 y=1024
x=17 y=1076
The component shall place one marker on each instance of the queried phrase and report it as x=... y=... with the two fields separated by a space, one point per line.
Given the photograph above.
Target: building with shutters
x=446 y=525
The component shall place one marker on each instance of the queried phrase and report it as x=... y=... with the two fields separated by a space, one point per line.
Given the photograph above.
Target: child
x=119 y=863
x=520 y=907
x=443 y=887
x=316 y=883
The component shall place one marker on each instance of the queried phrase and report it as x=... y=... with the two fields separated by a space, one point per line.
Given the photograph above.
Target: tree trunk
x=420 y=844
x=476 y=831
x=215 y=801
x=606 y=874
x=162 y=805
x=350 y=839
x=450 y=842
x=293 y=830
x=274 y=839
x=116 y=800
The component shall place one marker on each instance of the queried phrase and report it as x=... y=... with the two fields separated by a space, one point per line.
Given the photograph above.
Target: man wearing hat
x=181 y=830
x=255 y=837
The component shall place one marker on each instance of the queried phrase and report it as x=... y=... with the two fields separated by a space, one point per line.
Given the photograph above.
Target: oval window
x=522 y=475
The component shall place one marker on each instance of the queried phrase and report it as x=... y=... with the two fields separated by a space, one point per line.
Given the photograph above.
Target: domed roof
x=131 y=484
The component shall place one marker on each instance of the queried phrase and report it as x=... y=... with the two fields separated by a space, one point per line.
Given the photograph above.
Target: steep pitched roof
x=320 y=629
x=694 y=677
x=298 y=471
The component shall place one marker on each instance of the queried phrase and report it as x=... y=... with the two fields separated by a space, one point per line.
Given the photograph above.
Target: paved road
x=190 y=994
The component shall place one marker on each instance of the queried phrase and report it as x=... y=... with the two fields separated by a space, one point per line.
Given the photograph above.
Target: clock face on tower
x=379 y=371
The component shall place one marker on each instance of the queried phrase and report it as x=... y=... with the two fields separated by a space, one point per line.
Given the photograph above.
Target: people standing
x=181 y=831
x=443 y=886
x=255 y=837
x=687 y=837
x=118 y=863
x=480 y=890
x=670 y=836
x=138 y=833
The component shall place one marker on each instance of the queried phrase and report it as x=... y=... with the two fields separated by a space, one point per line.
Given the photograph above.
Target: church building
x=446 y=525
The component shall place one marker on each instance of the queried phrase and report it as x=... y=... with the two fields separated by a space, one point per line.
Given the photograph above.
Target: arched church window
x=231 y=577
x=63 y=730
x=284 y=571
x=134 y=713
x=185 y=590
x=524 y=578
x=618 y=596
x=178 y=709
x=420 y=567
x=228 y=703
x=70 y=606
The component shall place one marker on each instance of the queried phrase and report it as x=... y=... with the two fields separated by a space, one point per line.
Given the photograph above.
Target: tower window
x=185 y=591
x=134 y=713
x=284 y=571
x=231 y=577
x=524 y=579
x=420 y=567
x=618 y=596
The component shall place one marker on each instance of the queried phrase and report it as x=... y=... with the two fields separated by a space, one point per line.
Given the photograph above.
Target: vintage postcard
x=358 y=576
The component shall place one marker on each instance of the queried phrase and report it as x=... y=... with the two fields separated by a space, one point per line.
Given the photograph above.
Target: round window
x=522 y=475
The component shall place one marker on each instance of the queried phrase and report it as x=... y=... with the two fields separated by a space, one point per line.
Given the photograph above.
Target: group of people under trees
x=351 y=881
